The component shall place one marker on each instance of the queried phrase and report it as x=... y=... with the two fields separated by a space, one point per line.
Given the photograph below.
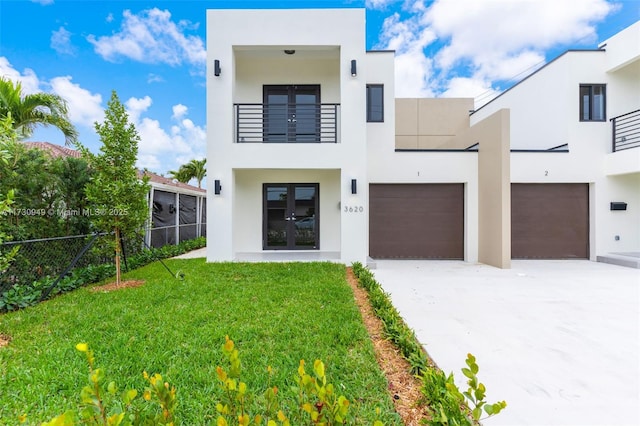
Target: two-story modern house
x=312 y=157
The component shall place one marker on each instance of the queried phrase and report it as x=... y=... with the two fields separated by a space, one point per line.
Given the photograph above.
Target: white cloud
x=179 y=111
x=184 y=140
x=493 y=31
x=154 y=78
x=378 y=4
x=148 y=161
x=483 y=42
x=43 y=2
x=61 y=42
x=470 y=87
x=412 y=67
x=28 y=79
x=152 y=37
x=136 y=106
x=85 y=108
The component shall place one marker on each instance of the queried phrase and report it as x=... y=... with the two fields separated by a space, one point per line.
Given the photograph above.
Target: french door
x=291 y=113
x=290 y=216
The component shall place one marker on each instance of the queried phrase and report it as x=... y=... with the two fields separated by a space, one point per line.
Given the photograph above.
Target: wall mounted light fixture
x=217 y=187
x=618 y=205
x=354 y=186
x=216 y=68
x=354 y=71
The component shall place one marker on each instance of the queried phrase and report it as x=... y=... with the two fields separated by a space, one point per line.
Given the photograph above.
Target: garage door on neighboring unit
x=549 y=221
x=416 y=221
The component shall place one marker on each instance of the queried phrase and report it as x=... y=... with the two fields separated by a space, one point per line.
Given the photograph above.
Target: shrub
x=102 y=404
x=21 y=296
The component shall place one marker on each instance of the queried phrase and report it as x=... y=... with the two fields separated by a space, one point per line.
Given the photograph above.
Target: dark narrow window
x=592 y=102
x=375 y=103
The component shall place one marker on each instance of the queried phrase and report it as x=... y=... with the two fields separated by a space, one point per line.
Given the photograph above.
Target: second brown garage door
x=549 y=221
x=416 y=221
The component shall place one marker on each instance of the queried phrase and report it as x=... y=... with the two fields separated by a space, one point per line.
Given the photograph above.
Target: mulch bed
x=4 y=340
x=113 y=286
x=404 y=388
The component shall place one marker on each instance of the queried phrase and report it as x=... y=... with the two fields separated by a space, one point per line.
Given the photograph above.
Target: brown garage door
x=549 y=221
x=416 y=221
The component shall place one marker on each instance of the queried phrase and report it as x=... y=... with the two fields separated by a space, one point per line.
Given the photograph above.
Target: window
x=375 y=103
x=592 y=102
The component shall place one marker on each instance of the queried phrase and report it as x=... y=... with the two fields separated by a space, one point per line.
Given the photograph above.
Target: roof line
x=537 y=71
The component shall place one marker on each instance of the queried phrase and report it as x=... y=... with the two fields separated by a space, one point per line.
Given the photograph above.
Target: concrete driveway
x=558 y=340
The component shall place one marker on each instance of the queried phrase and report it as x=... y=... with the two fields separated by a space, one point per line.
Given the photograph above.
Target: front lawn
x=277 y=314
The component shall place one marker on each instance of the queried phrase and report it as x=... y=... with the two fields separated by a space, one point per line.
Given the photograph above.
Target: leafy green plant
x=115 y=192
x=318 y=402
x=447 y=400
x=100 y=404
x=476 y=392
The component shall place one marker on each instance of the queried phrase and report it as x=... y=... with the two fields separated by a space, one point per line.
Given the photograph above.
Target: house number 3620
x=353 y=209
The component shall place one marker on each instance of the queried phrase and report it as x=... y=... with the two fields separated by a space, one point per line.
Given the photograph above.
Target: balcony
x=626 y=131
x=287 y=123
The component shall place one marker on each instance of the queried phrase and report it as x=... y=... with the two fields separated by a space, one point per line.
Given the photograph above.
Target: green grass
x=277 y=313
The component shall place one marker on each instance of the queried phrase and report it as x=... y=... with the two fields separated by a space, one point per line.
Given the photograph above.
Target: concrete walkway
x=558 y=340
x=193 y=254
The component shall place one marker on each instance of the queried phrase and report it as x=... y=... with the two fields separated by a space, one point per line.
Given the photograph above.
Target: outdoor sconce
x=618 y=205
x=354 y=71
x=354 y=186
x=217 y=187
x=216 y=68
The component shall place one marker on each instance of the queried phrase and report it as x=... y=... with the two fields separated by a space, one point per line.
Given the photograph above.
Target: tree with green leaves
x=181 y=175
x=29 y=111
x=194 y=169
x=117 y=197
x=7 y=144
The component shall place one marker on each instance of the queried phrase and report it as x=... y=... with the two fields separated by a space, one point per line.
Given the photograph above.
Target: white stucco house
x=311 y=156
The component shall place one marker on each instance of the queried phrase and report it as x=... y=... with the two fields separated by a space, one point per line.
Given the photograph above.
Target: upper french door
x=291 y=113
x=290 y=214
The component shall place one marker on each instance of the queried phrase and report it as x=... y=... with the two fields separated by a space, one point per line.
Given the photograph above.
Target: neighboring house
x=177 y=211
x=312 y=157
x=55 y=151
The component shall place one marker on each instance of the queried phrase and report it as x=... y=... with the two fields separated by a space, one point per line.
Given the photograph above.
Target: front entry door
x=292 y=113
x=290 y=216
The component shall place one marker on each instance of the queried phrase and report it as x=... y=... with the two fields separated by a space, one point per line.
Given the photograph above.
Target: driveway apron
x=557 y=340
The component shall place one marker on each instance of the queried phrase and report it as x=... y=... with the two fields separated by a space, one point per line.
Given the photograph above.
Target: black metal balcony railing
x=626 y=131
x=287 y=123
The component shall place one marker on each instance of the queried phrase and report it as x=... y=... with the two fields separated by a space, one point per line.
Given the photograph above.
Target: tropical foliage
x=7 y=142
x=48 y=192
x=194 y=169
x=32 y=110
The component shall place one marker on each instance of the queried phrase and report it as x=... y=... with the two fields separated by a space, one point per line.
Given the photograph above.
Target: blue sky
x=153 y=54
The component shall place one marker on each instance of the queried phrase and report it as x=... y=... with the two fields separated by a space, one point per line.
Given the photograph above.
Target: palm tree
x=29 y=111
x=180 y=175
x=194 y=169
x=197 y=169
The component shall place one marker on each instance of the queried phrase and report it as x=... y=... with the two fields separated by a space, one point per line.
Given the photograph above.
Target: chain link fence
x=48 y=257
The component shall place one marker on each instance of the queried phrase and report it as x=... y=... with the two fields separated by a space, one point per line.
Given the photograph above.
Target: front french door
x=291 y=113
x=290 y=216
